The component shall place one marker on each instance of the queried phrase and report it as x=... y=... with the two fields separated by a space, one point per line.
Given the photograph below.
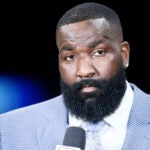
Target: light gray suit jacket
x=42 y=126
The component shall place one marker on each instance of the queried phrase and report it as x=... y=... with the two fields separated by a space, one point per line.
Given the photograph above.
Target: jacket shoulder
x=36 y=109
x=31 y=126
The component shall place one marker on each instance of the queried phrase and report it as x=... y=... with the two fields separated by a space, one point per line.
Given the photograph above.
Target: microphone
x=74 y=139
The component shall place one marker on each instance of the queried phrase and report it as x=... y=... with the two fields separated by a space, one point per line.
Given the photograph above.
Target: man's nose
x=85 y=68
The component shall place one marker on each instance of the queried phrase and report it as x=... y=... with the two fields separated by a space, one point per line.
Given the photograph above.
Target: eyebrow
x=66 y=48
x=95 y=43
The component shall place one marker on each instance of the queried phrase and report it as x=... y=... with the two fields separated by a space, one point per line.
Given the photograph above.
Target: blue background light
x=18 y=91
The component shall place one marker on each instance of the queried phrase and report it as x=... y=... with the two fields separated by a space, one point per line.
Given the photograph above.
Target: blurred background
x=28 y=53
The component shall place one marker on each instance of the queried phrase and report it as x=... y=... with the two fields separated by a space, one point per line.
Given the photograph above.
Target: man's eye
x=70 y=57
x=98 y=53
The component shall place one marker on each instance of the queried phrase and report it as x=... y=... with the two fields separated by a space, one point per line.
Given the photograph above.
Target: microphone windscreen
x=75 y=137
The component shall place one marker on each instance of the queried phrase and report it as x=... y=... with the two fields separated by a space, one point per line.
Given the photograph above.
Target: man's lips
x=88 y=89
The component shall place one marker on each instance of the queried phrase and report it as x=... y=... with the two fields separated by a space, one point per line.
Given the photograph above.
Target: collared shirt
x=111 y=131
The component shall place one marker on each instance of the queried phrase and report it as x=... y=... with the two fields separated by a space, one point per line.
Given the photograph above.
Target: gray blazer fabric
x=42 y=126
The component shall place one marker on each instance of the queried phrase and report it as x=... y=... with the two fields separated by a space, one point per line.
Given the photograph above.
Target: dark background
x=28 y=49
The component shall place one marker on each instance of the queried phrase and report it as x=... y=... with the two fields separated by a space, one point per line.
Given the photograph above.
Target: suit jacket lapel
x=138 y=129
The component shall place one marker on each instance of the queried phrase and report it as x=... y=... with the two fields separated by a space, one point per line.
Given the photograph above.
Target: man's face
x=90 y=50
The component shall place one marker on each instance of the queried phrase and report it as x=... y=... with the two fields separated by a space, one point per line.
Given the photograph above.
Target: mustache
x=88 y=82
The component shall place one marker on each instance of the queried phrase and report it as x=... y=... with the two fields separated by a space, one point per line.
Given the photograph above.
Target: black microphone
x=74 y=139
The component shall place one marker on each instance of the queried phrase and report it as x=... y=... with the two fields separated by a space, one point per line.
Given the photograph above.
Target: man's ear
x=125 y=53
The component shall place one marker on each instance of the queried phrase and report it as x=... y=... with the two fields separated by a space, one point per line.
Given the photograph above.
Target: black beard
x=94 y=106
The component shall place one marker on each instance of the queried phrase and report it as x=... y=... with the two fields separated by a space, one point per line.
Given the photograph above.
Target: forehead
x=83 y=30
x=95 y=24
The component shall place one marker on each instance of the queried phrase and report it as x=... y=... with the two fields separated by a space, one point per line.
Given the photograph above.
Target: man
x=95 y=93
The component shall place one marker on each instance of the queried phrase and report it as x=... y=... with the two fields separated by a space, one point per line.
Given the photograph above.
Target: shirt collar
x=119 y=118
x=73 y=121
